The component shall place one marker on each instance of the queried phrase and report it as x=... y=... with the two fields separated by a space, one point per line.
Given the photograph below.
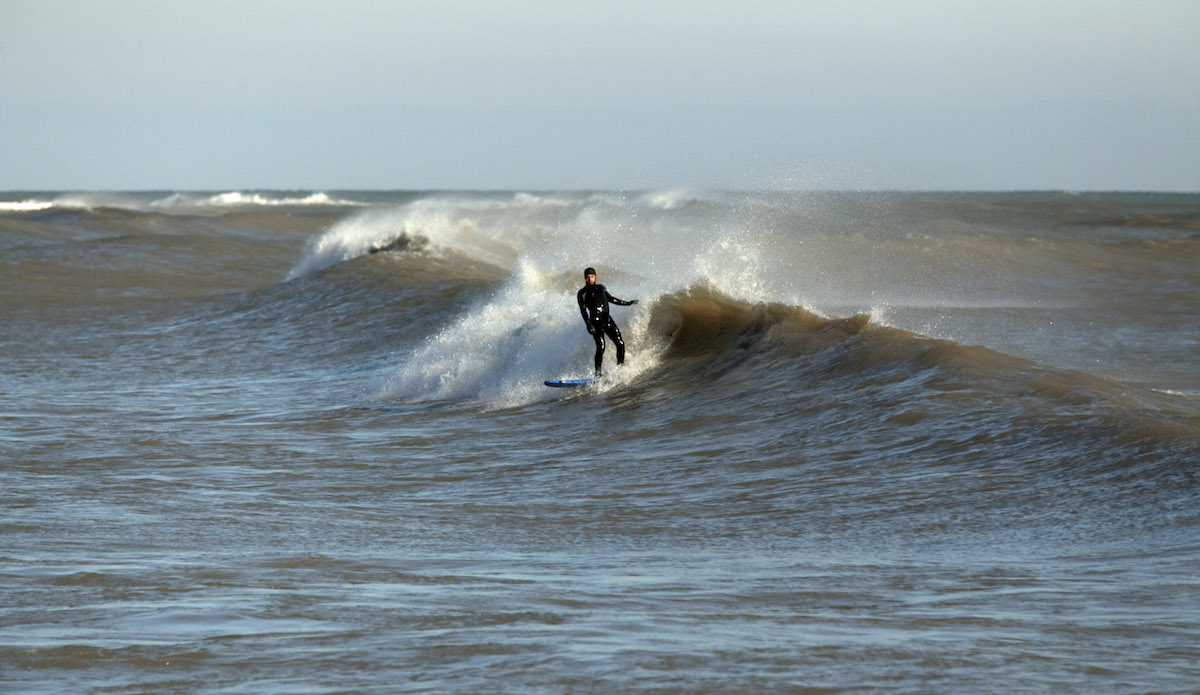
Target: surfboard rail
x=571 y=383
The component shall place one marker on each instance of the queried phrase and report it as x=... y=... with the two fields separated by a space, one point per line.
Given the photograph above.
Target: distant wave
x=175 y=202
x=25 y=205
x=242 y=199
x=73 y=201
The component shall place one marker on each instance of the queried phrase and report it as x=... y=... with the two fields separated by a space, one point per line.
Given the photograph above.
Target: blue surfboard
x=570 y=383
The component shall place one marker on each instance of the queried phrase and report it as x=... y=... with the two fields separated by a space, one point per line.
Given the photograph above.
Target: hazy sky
x=745 y=94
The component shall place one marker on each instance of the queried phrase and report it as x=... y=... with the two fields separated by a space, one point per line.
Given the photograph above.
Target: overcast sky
x=744 y=94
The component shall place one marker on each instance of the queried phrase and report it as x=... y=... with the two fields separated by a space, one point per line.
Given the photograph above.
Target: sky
x=616 y=95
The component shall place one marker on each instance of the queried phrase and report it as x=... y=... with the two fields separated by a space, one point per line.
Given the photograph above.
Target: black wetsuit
x=593 y=304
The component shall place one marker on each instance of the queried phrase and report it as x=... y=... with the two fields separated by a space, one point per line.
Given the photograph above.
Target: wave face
x=945 y=440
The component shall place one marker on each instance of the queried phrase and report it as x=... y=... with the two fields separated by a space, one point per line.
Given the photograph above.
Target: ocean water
x=298 y=442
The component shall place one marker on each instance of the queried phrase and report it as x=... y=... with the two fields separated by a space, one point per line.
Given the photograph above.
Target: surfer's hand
x=591 y=329
x=632 y=302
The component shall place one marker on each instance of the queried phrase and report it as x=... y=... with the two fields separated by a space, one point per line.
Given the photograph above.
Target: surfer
x=593 y=304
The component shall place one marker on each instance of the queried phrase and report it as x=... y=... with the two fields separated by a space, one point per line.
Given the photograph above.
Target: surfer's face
x=589 y=279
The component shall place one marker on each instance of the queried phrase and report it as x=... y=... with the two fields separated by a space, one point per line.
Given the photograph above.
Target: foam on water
x=500 y=353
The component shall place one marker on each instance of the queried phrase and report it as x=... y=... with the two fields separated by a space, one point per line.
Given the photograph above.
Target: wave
x=936 y=395
x=239 y=199
x=712 y=333
x=766 y=356
x=490 y=229
x=75 y=202
x=30 y=205
x=420 y=228
x=174 y=202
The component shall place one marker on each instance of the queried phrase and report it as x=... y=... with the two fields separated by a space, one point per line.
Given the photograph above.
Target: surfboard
x=570 y=383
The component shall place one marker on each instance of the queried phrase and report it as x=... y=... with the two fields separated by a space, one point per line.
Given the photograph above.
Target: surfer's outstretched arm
x=619 y=302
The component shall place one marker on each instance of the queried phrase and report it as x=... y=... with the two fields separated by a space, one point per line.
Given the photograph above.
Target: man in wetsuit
x=593 y=304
